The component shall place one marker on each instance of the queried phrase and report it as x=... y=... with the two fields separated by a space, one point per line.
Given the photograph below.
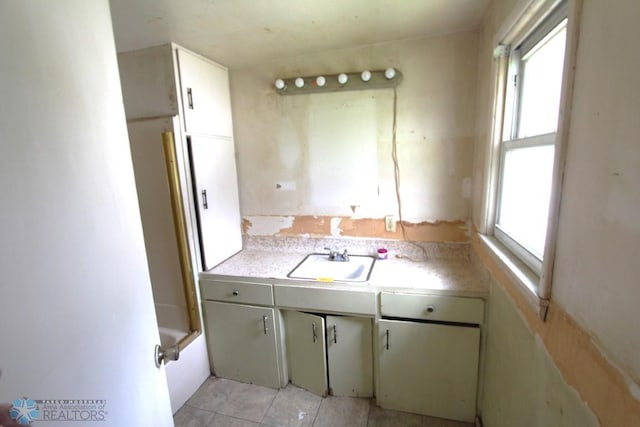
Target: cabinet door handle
x=190 y=98
x=264 y=324
x=205 y=204
x=387 y=344
x=335 y=333
x=313 y=331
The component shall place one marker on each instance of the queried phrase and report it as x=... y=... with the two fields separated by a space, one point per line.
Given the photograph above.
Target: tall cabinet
x=169 y=81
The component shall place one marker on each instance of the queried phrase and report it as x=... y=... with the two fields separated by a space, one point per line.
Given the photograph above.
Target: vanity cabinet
x=242 y=336
x=330 y=354
x=428 y=351
x=425 y=349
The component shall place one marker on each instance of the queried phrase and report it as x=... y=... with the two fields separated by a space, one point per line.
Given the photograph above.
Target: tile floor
x=225 y=403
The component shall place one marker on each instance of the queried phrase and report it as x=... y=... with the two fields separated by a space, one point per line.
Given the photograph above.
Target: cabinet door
x=148 y=82
x=216 y=191
x=350 y=352
x=306 y=349
x=205 y=96
x=428 y=368
x=242 y=343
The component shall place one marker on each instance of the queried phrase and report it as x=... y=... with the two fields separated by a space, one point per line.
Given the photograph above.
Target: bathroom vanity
x=410 y=335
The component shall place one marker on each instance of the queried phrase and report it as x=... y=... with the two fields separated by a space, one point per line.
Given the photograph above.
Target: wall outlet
x=390 y=223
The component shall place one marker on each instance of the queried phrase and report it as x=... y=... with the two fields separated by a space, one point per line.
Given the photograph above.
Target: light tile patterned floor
x=225 y=403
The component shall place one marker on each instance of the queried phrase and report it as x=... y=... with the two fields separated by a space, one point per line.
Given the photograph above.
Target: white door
x=216 y=190
x=77 y=320
x=205 y=96
x=306 y=351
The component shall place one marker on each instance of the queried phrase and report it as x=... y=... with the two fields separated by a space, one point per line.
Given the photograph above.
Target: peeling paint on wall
x=338 y=147
x=336 y=231
x=324 y=226
x=600 y=384
x=265 y=225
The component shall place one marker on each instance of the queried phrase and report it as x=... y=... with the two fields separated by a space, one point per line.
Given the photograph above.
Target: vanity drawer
x=240 y=292
x=432 y=307
x=308 y=298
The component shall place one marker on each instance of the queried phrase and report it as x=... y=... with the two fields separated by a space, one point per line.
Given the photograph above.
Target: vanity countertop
x=410 y=267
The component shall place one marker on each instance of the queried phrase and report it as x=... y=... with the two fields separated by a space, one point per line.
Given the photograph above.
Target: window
x=527 y=150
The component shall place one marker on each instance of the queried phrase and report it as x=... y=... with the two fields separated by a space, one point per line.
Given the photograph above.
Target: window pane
x=526 y=189
x=541 y=81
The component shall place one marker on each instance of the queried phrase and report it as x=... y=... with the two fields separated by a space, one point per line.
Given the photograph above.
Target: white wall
x=336 y=147
x=597 y=268
x=75 y=297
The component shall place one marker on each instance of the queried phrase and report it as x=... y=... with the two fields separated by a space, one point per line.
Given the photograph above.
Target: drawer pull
x=387 y=344
x=236 y=293
x=430 y=309
x=314 y=333
x=264 y=324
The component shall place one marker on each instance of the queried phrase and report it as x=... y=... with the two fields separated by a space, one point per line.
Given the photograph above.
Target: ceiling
x=241 y=33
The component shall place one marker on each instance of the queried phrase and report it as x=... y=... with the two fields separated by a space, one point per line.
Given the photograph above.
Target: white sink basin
x=319 y=267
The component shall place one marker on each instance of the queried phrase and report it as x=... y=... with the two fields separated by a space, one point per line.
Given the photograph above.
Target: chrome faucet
x=337 y=256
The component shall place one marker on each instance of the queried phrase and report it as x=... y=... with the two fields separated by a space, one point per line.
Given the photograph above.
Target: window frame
x=512 y=120
x=527 y=18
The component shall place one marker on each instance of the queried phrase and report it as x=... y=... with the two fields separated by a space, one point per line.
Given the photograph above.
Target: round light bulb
x=365 y=76
x=342 y=78
x=390 y=73
x=299 y=82
x=280 y=84
x=321 y=81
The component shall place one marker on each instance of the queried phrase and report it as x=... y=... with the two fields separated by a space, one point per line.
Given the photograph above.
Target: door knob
x=161 y=354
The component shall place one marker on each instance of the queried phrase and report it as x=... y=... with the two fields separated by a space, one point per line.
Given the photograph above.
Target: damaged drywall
x=329 y=160
x=322 y=226
x=583 y=367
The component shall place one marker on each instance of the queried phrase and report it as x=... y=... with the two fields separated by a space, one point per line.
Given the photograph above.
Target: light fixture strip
x=354 y=81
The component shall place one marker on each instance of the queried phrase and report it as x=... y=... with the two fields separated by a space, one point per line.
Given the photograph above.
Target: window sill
x=524 y=279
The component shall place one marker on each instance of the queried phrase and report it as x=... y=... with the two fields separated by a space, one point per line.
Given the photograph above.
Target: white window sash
x=531 y=260
x=530 y=141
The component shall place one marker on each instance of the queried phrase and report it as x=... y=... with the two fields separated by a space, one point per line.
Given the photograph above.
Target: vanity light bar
x=379 y=79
